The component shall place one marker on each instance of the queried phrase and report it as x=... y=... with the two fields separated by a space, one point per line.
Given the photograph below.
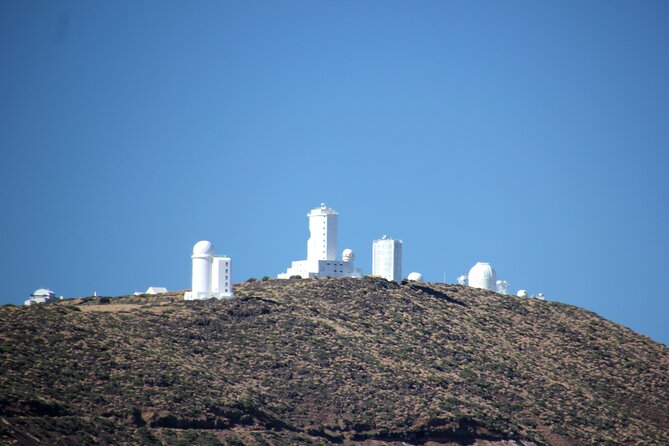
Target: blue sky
x=532 y=135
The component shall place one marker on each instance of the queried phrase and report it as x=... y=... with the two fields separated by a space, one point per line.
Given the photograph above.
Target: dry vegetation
x=329 y=361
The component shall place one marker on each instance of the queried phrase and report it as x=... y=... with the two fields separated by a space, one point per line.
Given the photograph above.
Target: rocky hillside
x=328 y=361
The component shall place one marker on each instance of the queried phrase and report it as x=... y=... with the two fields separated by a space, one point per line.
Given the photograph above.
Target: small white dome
x=415 y=277
x=203 y=248
x=483 y=275
x=348 y=255
x=43 y=292
x=521 y=293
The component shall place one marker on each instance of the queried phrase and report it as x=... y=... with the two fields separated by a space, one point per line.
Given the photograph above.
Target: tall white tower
x=322 y=244
x=212 y=275
x=203 y=255
x=322 y=250
x=387 y=259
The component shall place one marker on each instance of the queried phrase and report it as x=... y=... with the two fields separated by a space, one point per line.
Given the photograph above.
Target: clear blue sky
x=530 y=134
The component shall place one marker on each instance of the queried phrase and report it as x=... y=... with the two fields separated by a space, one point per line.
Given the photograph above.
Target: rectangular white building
x=387 y=259
x=220 y=276
x=322 y=244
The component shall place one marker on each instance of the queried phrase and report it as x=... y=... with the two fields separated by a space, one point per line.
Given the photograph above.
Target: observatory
x=322 y=250
x=387 y=259
x=40 y=296
x=482 y=275
x=415 y=277
x=212 y=275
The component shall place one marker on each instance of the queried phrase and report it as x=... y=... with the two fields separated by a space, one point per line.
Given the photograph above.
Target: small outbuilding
x=156 y=290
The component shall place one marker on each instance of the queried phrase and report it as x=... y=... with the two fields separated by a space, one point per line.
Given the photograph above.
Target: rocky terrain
x=324 y=362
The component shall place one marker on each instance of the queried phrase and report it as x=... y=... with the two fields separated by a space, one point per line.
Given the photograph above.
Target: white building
x=155 y=290
x=40 y=296
x=387 y=259
x=212 y=274
x=502 y=287
x=415 y=277
x=482 y=275
x=322 y=250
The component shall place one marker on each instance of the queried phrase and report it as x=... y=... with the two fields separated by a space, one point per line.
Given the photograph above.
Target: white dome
x=42 y=292
x=482 y=275
x=415 y=277
x=348 y=255
x=203 y=248
x=521 y=293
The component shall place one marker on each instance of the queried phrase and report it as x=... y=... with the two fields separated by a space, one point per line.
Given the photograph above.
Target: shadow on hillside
x=437 y=294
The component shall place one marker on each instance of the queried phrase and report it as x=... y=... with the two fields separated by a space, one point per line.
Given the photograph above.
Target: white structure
x=155 y=290
x=521 y=293
x=462 y=280
x=212 y=275
x=482 y=275
x=387 y=259
x=415 y=277
x=348 y=255
x=322 y=250
x=322 y=243
x=502 y=287
x=40 y=296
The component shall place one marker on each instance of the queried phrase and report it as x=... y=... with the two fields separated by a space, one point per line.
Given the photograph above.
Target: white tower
x=482 y=275
x=212 y=275
x=322 y=250
x=322 y=244
x=203 y=254
x=387 y=259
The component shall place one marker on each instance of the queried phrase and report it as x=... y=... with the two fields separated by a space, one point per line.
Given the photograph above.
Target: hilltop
x=328 y=361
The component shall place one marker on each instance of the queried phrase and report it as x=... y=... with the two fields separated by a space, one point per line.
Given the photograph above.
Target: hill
x=328 y=361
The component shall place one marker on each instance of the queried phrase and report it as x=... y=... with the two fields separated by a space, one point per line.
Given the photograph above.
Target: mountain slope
x=326 y=361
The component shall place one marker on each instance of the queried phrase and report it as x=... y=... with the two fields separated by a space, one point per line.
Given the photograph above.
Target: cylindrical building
x=482 y=275
x=203 y=253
